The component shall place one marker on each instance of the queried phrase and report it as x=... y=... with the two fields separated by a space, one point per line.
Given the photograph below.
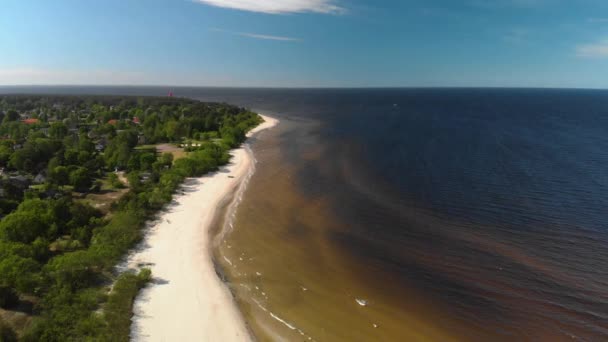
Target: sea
x=433 y=214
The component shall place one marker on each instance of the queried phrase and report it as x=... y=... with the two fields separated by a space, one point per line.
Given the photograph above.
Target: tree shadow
x=160 y=281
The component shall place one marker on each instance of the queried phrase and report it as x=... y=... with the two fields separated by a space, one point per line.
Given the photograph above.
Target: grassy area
x=145 y=147
x=12 y=320
x=176 y=151
x=103 y=199
x=119 y=308
x=178 y=154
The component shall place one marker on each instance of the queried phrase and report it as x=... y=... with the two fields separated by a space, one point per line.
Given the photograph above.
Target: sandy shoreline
x=187 y=301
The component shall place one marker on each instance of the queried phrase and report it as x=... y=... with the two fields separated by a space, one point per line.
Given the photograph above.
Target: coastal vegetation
x=79 y=177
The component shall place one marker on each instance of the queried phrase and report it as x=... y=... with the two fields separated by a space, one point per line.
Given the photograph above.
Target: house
x=145 y=176
x=136 y=120
x=100 y=146
x=30 y=121
x=40 y=178
x=113 y=122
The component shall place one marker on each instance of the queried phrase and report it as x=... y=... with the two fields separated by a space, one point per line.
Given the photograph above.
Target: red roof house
x=30 y=121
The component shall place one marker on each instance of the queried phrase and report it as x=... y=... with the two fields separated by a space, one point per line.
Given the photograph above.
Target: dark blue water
x=493 y=201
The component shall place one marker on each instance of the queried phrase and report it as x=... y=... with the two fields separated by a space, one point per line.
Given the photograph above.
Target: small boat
x=361 y=302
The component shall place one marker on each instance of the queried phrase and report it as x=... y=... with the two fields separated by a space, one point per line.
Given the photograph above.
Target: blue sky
x=529 y=43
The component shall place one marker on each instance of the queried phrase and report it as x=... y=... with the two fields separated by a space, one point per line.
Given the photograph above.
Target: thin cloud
x=267 y=37
x=278 y=6
x=258 y=35
x=596 y=50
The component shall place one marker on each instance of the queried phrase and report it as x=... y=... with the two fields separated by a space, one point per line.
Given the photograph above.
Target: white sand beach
x=186 y=300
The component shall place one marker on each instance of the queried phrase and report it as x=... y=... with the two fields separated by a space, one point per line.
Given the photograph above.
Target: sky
x=305 y=43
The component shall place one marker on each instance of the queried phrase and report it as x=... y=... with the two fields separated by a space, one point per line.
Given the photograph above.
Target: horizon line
x=294 y=87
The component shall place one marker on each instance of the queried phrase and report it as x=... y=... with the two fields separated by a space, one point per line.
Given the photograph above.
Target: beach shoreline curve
x=186 y=300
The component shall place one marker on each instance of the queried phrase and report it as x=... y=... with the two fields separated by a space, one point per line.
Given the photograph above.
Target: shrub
x=8 y=297
x=119 y=309
x=114 y=181
x=6 y=333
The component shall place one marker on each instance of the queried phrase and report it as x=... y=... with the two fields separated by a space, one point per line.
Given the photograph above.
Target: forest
x=79 y=177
